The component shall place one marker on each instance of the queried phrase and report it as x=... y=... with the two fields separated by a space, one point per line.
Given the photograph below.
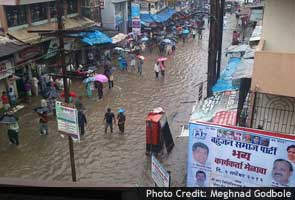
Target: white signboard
x=67 y=119
x=159 y=173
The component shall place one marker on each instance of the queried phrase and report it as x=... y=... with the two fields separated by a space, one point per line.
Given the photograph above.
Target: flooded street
x=114 y=158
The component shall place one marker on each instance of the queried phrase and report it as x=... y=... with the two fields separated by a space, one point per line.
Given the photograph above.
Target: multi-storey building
x=273 y=93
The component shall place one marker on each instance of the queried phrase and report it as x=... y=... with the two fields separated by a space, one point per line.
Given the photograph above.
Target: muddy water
x=115 y=159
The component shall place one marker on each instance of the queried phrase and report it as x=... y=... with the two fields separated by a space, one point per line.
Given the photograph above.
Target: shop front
x=6 y=80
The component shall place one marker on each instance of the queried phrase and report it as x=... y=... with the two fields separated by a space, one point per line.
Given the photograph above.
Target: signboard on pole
x=159 y=174
x=67 y=119
x=228 y=156
x=135 y=15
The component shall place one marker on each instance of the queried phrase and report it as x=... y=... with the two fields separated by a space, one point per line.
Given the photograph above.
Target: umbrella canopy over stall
x=7 y=119
x=119 y=37
x=71 y=94
x=101 y=78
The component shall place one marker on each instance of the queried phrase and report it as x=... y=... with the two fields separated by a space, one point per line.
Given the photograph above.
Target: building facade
x=273 y=95
x=115 y=15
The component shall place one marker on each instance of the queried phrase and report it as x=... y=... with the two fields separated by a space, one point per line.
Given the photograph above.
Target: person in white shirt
x=157 y=69
x=132 y=64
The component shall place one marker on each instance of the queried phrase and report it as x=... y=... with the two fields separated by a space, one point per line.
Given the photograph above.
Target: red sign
x=28 y=53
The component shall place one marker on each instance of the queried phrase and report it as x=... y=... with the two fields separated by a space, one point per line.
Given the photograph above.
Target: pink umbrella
x=140 y=57
x=162 y=59
x=101 y=78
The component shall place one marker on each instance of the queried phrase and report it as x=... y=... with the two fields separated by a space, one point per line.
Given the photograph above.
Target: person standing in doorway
x=82 y=121
x=121 y=122
x=157 y=69
x=109 y=117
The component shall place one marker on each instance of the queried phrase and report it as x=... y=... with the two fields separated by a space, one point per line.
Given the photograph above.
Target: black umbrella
x=7 y=119
x=41 y=110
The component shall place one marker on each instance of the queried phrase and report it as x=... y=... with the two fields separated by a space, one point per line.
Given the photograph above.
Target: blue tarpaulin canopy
x=159 y=18
x=225 y=82
x=95 y=37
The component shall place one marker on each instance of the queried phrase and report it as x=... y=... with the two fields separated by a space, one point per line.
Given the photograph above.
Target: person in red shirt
x=5 y=101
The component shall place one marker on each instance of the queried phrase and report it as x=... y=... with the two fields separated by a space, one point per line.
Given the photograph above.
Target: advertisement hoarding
x=227 y=156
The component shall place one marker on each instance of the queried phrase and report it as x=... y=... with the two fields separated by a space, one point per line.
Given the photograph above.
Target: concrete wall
x=108 y=14
x=279 y=26
x=273 y=73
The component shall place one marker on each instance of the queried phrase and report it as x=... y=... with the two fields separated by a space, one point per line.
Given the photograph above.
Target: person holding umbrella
x=162 y=67
x=140 y=64
x=121 y=120
x=13 y=128
x=99 y=87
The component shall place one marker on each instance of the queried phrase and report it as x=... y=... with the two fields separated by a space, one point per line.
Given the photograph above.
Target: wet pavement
x=115 y=158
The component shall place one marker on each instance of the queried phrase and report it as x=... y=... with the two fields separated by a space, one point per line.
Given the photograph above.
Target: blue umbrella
x=121 y=110
x=89 y=79
x=185 y=31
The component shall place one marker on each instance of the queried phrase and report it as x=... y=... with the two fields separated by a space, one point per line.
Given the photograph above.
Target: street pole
x=212 y=48
x=220 y=37
x=59 y=9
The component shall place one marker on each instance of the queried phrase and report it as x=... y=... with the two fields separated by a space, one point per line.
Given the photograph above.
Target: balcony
x=273 y=72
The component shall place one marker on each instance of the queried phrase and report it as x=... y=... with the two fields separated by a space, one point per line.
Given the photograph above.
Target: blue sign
x=135 y=10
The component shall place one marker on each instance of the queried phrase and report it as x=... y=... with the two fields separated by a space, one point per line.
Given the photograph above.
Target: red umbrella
x=71 y=94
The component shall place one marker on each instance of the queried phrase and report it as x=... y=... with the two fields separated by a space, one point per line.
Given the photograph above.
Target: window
x=38 y=12
x=16 y=15
x=52 y=8
x=72 y=6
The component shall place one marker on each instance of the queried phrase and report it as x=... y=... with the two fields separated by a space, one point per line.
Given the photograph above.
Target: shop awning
x=119 y=37
x=159 y=17
x=95 y=38
x=8 y=46
x=33 y=38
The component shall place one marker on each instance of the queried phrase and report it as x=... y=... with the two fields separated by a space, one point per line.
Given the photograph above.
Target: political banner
x=227 y=156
